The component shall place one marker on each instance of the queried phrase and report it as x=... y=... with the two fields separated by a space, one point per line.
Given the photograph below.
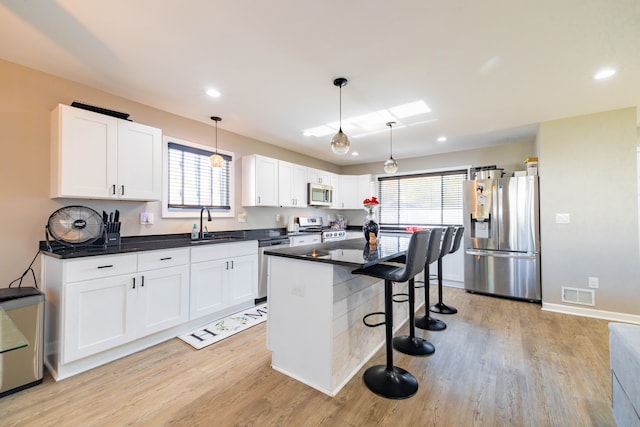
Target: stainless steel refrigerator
x=502 y=245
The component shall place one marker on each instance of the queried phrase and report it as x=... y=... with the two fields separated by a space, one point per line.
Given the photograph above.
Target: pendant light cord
x=390 y=124
x=340 y=108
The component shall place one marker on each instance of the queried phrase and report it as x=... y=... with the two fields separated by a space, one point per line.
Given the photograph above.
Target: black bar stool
x=425 y=322
x=410 y=344
x=440 y=307
x=387 y=380
x=433 y=254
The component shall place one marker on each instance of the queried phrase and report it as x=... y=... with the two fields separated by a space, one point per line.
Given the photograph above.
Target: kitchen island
x=316 y=305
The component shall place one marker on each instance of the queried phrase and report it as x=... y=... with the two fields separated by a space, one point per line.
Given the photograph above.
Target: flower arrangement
x=370 y=204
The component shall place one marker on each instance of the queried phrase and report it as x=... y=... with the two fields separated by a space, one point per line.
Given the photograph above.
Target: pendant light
x=216 y=160
x=391 y=166
x=340 y=141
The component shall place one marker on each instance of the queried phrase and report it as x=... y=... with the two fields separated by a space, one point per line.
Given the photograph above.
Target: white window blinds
x=422 y=199
x=193 y=183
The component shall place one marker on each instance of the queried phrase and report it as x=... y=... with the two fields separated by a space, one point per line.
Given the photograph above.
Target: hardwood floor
x=498 y=363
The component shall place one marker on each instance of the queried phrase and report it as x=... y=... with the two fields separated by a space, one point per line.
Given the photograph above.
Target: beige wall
x=588 y=170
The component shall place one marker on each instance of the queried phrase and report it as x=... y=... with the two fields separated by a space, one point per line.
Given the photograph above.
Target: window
x=192 y=183
x=421 y=199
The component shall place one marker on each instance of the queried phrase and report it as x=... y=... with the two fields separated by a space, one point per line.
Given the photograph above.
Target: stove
x=310 y=224
x=333 y=235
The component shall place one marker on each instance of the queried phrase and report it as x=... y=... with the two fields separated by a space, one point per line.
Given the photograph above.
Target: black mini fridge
x=21 y=338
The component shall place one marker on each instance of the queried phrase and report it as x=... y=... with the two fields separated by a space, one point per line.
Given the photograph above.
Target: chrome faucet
x=208 y=219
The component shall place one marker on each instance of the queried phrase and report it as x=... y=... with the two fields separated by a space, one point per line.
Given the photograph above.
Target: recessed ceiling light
x=213 y=93
x=605 y=73
x=442 y=139
x=355 y=153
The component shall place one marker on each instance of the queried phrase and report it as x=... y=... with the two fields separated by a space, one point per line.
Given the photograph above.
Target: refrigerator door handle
x=477 y=252
x=520 y=255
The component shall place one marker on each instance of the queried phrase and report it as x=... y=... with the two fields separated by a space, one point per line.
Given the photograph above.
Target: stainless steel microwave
x=320 y=195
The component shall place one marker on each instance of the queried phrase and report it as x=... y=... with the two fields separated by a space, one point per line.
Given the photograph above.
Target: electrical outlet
x=277 y=217
x=146 y=218
x=594 y=282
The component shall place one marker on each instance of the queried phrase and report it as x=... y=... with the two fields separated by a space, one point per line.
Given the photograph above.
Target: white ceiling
x=490 y=70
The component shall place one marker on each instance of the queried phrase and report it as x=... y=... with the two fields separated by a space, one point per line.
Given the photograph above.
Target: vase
x=370 y=227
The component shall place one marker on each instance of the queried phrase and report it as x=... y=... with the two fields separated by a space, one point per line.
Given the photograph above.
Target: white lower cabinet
x=101 y=308
x=98 y=316
x=111 y=309
x=222 y=276
x=163 y=300
x=354 y=234
x=104 y=307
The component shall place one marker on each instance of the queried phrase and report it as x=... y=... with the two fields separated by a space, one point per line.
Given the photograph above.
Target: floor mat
x=224 y=328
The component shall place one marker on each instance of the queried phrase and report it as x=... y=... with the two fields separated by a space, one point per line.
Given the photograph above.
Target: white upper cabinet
x=317 y=176
x=353 y=190
x=292 y=185
x=259 y=181
x=139 y=162
x=336 y=200
x=95 y=156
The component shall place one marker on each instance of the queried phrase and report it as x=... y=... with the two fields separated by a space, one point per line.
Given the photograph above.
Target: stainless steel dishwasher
x=263 y=264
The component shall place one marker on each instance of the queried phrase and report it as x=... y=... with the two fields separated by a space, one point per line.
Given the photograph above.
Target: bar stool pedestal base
x=430 y=324
x=413 y=346
x=443 y=309
x=392 y=384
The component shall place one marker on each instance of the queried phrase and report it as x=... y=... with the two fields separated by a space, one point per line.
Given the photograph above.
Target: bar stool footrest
x=400 y=295
x=372 y=325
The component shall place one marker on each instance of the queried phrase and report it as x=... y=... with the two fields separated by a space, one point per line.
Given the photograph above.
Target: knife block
x=112 y=239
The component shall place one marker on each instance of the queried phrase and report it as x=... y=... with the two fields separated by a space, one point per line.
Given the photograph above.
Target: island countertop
x=354 y=253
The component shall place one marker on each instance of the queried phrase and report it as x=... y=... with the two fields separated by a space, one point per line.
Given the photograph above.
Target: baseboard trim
x=590 y=312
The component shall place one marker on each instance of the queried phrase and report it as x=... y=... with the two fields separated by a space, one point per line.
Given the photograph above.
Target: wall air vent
x=578 y=296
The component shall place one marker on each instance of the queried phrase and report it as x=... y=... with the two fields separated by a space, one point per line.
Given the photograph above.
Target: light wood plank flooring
x=499 y=363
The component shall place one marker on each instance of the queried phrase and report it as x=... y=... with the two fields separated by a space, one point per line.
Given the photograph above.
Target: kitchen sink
x=216 y=239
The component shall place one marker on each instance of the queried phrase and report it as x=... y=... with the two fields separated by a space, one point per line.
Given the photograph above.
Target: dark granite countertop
x=351 y=253
x=156 y=242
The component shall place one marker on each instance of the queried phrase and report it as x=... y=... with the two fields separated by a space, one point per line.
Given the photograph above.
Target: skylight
x=371 y=123
x=410 y=109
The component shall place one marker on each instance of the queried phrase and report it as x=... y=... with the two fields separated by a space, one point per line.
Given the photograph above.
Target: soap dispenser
x=194 y=232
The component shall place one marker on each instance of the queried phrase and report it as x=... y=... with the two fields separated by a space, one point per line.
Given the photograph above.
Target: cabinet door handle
x=164 y=259
x=258 y=199
x=122 y=190
x=134 y=283
x=113 y=189
x=232 y=265
x=226 y=265
x=105 y=266
x=142 y=284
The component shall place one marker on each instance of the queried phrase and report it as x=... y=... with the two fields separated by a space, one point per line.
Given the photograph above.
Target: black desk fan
x=75 y=226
